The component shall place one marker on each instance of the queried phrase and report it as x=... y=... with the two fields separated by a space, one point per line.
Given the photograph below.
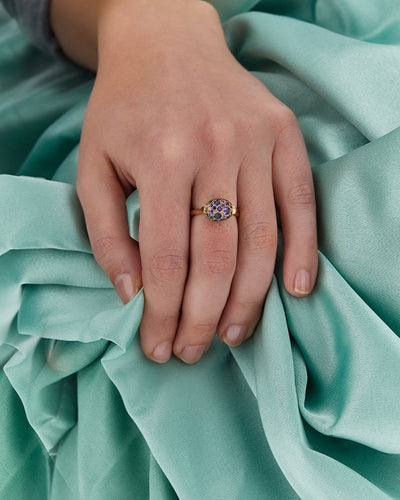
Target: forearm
x=78 y=25
x=75 y=23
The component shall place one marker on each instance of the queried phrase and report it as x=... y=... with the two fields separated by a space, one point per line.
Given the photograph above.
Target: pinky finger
x=294 y=195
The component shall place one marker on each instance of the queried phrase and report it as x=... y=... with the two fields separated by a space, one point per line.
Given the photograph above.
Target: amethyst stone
x=218 y=209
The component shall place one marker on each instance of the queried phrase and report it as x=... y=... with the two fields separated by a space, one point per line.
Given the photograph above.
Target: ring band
x=217 y=209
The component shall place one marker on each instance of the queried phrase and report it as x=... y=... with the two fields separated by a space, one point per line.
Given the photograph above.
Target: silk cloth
x=309 y=407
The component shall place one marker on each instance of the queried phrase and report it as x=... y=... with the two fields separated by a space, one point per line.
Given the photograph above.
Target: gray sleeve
x=34 y=18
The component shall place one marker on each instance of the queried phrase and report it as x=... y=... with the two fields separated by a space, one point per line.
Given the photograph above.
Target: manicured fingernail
x=235 y=334
x=192 y=354
x=302 y=283
x=162 y=352
x=126 y=288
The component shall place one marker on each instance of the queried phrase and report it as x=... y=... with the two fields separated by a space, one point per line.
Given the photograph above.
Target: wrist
x=83 y=29
x=74 y=24
x=142 y=28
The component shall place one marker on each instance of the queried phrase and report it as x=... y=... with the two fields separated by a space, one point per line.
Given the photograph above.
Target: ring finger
x=213 y=251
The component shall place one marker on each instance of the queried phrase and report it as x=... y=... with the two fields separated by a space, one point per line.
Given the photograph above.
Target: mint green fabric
x=309 y=407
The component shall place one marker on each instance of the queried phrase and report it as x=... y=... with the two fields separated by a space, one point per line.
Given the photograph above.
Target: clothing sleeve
x=34 y=18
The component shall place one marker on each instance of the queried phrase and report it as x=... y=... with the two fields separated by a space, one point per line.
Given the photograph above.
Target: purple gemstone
x=217 y=216
x=227 y=210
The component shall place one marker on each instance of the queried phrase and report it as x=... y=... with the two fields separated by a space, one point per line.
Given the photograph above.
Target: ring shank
x=196 y=211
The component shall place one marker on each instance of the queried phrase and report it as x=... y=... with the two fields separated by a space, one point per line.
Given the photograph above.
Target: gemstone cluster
x=218 y=209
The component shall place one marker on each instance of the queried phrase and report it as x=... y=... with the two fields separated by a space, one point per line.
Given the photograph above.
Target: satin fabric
x=309 y=407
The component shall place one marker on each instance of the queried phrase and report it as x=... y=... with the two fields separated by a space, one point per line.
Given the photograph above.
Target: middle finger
x=164 y=248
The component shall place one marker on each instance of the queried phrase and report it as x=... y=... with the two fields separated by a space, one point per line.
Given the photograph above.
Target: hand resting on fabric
x=173 y=114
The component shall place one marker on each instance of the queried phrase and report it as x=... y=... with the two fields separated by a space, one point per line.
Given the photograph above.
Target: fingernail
x=302 y=283
x=192 y=354
x=235 y=334
x=162 y=352
x=125 y=287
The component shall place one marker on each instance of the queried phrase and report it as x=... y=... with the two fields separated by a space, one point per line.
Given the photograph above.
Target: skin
x=173 y=114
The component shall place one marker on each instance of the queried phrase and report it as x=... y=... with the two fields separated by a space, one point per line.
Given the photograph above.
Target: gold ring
x=217 y=209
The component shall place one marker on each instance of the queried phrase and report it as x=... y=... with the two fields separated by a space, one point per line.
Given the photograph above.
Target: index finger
x=103 y=200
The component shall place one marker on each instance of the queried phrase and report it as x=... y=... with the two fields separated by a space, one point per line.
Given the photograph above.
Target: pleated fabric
x=309 y=407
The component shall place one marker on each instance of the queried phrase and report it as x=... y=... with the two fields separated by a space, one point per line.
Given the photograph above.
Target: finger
x=103 y=200
x=294 y=195
x=256 y=252
x=213 y=251
x=164 y=246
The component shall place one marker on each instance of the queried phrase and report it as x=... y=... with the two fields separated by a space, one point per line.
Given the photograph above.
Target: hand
x=173 y=114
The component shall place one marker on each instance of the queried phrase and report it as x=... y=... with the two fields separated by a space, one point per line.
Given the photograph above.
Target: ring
x=217 y=209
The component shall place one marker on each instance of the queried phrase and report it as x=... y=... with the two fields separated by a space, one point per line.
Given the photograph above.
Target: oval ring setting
x=217 y=209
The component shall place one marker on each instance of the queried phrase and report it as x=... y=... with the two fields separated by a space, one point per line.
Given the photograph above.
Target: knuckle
x=168 y=265
x=284 y=119
x=207 y=7
x=252 y=305
x=201 y=333
x=103 y=249
x=220 y=133
x=217 y=262
x=260 y=235
x=201 y=330
x=172 y=147
x=204 y=326
x=301 y=195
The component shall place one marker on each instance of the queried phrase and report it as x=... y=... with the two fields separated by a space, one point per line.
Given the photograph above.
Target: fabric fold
x=307 y=408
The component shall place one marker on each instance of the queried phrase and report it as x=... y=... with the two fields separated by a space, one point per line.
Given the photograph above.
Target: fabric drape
x=309 y=407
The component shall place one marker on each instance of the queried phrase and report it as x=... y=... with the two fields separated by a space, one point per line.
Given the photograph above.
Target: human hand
x=173 y=114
